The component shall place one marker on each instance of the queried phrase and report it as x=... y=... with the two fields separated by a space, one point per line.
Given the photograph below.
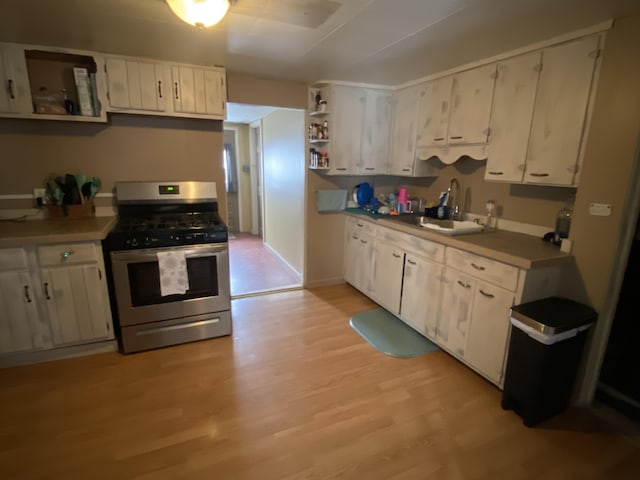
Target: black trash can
x=547 y=339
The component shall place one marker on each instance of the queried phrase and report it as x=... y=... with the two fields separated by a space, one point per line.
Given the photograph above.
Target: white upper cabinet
x=198 y=91
x=560 y=112
x=403 y=136
x=345 y=129
x=433 y=117
x=376 y=131
x=136 y=85
x=513 y=101
x=471 y=96
x=15 y=96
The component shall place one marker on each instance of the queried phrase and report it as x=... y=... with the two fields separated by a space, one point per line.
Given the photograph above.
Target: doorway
x=267 y=245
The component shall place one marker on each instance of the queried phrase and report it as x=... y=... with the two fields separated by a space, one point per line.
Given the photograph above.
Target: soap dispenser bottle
x=563 y=223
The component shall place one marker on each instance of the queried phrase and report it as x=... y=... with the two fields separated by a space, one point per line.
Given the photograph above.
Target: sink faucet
x=454 y=206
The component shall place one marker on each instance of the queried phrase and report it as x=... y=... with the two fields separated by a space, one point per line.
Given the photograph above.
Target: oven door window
x=144 y=281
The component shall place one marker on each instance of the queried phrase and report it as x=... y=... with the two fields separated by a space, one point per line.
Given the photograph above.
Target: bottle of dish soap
x=563 y=223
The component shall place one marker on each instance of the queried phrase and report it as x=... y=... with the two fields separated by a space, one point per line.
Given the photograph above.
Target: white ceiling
x=241 y=113
x=372 y=41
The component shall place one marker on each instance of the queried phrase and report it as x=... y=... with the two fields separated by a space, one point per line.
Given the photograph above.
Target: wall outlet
x=40 y=197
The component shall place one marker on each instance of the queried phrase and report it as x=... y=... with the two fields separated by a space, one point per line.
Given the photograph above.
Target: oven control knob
x=134 y=242
x=147 y=241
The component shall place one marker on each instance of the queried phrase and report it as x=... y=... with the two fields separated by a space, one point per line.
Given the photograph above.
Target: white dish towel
x=173 y=273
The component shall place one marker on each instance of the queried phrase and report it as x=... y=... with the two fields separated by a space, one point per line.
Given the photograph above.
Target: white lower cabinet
x=358 y=255
x=455 y=311
x=421 y=285
x=458 y=299
x=489 y=329
x=51 y=296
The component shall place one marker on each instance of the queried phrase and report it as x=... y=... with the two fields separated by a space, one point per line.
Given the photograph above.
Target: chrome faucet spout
x=454 y=206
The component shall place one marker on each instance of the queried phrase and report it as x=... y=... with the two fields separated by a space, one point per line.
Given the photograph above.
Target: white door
x=388 y=267
x=560 y=112
x=489 y=330
x=403 y=136
x=513 y=102
x=471 y=97
x=456 y=303
x=421 y=294
x=376 y=132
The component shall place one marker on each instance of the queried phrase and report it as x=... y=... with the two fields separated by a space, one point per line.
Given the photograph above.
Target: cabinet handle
x=488 y=295
x=363 y=241
x=12 y=94
x=66 y=255
x=99 y=274
x=411 y=262
x=406 y=169
x=495 y=173
x=341 y=169
x=396 y=255
x=360 y=224
x=477 y=267
x=355 y=237
x=464 y=284
x=438 y=139
x=26 y=293
x=369 y=168
x=175 y=87
x=539 y=174
x=456 y=137
x=159 y=88
x=46 y=290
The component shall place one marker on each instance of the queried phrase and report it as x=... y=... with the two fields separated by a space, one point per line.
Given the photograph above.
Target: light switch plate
x=600 y=209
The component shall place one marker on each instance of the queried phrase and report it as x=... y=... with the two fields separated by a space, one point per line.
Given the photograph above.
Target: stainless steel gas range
x=169 y=274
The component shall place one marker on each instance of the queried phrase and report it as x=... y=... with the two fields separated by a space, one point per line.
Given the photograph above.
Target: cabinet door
x=135 y=85
x=489 y=330
x=15 y=94
x=471 y=96
x=20 y=328
x=434 y=113
x=77 y=304
x=376 y=132
x=513 y=100
x=200 y=91
x=389 y=262
x=560 y=112
x=345 y=127
x=363 y=275
x=403 y=136
x=420 y=294
x=456 y=303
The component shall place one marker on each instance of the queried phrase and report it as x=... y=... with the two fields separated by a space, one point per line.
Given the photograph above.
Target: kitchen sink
x=446 y=227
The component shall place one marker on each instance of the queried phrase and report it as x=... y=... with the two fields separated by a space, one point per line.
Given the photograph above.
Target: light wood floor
x=295 y=393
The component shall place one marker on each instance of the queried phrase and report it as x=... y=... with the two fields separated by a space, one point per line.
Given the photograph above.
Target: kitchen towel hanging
x=331 y=200
x=173 y=273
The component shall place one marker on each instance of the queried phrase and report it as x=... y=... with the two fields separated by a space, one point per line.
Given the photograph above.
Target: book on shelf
x=83 y=86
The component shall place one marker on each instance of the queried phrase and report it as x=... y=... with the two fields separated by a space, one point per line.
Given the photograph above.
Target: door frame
x=256 y=179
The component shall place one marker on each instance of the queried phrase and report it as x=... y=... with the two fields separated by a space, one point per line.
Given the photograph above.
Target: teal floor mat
x=388 y=334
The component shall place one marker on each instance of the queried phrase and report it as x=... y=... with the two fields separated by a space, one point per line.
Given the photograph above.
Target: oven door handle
x=151 y=254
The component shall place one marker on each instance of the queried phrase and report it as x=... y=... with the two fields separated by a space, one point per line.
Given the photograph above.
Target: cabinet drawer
x=361 y=226
x=424 y=248
x=13 y=259
x=67 y=254
x=498 y=273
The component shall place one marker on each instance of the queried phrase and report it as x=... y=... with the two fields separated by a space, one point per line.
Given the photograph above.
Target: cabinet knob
x=66 y=255
x=464 y=284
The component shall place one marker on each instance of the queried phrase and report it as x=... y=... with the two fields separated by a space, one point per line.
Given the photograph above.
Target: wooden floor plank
x=294 y=393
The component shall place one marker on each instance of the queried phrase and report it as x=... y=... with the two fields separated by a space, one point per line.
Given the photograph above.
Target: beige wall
x=130 y=147
x=283 y=176
x=243 y=88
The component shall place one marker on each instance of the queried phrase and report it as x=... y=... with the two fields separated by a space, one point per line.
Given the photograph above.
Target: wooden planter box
x=72 y=211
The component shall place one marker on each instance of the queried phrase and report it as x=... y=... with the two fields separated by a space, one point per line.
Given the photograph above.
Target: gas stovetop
x=153 y=215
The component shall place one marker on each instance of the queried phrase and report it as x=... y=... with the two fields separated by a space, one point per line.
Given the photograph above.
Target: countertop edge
x=462 y=244
x=96 y=230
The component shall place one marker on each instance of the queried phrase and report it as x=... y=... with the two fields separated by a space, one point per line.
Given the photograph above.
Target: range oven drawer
x=146 y=336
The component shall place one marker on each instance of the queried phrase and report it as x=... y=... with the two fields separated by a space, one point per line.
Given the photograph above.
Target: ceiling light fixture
x=199 y=13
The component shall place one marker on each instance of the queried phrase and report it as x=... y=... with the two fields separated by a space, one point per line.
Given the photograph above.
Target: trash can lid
x=554 y=314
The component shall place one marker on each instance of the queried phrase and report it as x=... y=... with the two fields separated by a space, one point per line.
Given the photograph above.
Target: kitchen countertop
x=32 y=232
x=518 y=249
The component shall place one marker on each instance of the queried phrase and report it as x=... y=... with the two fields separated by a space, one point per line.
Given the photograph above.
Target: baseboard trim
x=27 y=358
x=326 y=282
